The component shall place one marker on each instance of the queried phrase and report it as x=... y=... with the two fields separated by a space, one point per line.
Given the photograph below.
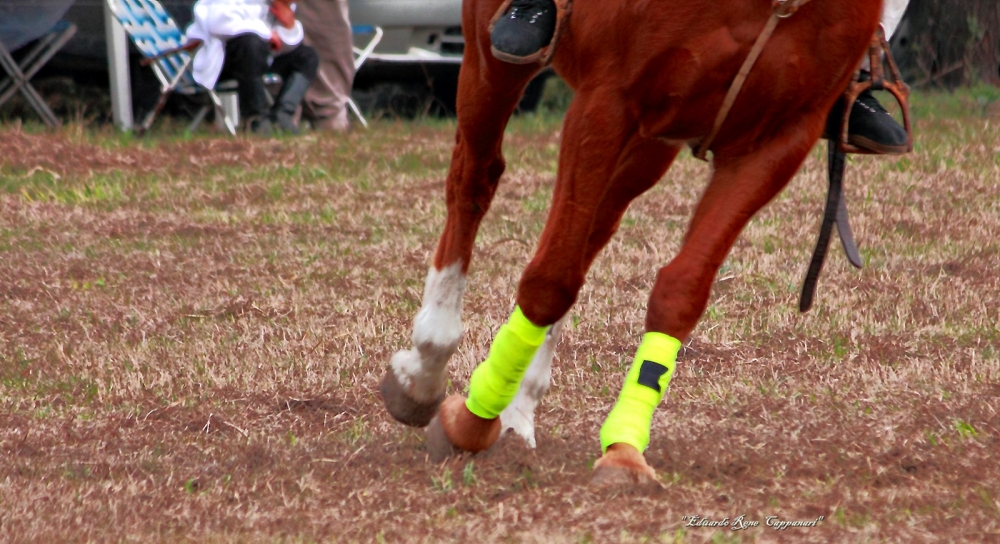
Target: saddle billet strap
x=544 y=55
x=780 y=9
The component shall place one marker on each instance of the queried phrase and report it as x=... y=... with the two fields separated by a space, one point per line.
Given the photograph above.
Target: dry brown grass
x=191 y=334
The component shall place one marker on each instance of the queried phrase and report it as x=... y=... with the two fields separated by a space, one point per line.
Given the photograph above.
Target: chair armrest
x=191 y=45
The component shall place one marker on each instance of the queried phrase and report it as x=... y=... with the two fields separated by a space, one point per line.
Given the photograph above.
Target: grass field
x=192 y=330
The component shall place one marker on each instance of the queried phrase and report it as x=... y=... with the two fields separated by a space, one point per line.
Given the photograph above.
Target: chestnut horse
x=649 y=78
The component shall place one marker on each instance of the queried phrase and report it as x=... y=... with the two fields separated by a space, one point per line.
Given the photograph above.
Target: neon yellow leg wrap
x=645 y=385
x=495 y=381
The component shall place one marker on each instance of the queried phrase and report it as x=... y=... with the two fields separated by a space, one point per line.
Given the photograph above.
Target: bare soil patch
x=192 y=332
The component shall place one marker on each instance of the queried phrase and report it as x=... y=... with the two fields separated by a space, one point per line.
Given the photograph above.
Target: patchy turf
x=192 y=331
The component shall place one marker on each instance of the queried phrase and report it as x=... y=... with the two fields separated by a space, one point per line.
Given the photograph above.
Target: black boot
x=292 y=92
x=526 y=27
x=870 y=127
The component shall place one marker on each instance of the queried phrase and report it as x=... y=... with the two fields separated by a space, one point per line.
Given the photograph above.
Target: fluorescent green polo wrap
x=495 y=381
x=645 y=386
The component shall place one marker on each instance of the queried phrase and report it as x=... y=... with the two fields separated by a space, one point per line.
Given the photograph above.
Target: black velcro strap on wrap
x=650 y=373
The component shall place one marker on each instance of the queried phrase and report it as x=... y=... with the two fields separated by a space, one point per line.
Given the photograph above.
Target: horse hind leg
x=413 y=386
x=740 y=186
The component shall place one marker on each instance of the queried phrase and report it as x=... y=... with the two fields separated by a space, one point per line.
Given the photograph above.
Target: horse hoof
x=623 y=466
x=404 y=408
x=455 y=429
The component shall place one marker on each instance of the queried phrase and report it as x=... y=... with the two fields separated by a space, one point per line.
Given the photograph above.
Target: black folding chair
x=20 y=74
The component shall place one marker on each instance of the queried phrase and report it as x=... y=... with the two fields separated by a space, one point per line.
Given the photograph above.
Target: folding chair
x=360 y=56
x=161 y=42
x=21 y=74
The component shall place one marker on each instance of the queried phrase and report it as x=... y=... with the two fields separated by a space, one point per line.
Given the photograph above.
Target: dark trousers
x=247 y=60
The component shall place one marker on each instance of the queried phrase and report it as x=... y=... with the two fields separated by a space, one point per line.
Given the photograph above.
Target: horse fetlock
x=436 y=340
x=434 y=356
x=422 y=370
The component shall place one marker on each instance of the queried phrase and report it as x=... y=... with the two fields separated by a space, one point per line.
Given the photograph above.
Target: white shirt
x=215 y=21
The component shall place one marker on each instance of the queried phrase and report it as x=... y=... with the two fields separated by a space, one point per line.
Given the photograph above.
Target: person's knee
x=251 y=49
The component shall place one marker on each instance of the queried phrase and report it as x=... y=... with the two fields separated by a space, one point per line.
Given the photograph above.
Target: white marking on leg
x=520 y=413
x=437 y=330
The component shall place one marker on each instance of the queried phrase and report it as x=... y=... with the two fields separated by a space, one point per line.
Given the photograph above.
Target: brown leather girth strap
x=780 y=9
x=544 y=55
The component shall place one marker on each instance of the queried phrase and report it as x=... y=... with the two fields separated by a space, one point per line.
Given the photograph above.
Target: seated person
x=244 y=39
x=528 y=25
x=328 y=29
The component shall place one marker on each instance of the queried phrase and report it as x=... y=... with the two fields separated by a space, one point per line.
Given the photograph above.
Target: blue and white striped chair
x=161 y=42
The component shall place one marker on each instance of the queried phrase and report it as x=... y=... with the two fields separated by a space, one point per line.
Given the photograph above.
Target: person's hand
x=276 y=43
x=282 y=11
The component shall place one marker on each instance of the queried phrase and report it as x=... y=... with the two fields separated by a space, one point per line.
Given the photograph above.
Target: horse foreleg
x=640 y=166
x=740 y=186
x=414 y=384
